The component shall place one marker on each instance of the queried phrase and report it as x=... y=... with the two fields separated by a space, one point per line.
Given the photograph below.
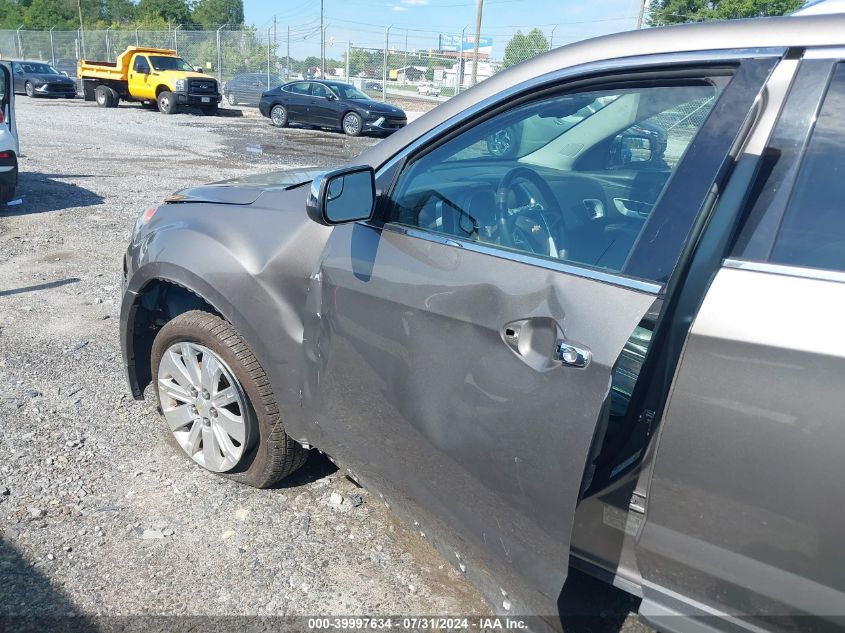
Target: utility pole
x=322 y=44
x=479 y=7
x=287 y=58
x=552 y=38
x=460 y=73
x=643 y=8
x=81 y=29
x=384 y=65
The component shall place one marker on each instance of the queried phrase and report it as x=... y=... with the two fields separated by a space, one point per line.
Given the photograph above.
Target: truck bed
x=117 y=70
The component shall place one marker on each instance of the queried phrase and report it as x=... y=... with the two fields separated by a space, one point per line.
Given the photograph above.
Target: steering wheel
x=528 y=227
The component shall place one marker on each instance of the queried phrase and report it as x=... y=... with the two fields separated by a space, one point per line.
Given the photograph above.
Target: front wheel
x=219 y=404
x=166 y=102
x=279 y=116
x=29 y=89
x=353 y=124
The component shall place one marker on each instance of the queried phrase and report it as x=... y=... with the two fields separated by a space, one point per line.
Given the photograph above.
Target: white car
x=9 y=147
x=428 y=90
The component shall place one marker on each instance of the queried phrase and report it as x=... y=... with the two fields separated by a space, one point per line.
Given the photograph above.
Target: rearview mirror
x=341 y=196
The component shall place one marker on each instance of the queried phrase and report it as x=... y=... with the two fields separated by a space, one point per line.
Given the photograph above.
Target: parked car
x=247 y=88
x=429 y=90
x=9 y=147
x=372 y=85
x=330 y=104
x=554 y=358
x=40 y=79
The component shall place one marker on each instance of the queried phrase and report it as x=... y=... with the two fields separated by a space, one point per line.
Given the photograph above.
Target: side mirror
x=341 y=196
x=627 y=150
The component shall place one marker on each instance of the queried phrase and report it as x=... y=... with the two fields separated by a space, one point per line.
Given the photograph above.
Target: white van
x=9 y=147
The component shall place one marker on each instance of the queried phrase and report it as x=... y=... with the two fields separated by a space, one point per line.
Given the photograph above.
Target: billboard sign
x=453 y=43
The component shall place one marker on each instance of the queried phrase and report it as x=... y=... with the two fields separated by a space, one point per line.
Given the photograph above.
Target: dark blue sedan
x=330 y=104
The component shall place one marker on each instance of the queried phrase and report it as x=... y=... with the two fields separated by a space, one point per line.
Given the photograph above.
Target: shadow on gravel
x=587 y=604
x=317 y=467
x=37 y=287
x=28 y=601
x=47 y=192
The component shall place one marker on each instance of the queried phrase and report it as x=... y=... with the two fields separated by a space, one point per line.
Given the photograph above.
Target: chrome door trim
x=825 y=52
x=525 y=258
x=660 y=60
x=788 y=271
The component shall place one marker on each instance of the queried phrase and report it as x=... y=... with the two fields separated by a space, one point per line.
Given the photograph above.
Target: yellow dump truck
x=155 y=76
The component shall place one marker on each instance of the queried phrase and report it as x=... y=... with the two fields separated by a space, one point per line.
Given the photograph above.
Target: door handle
x=572 y=355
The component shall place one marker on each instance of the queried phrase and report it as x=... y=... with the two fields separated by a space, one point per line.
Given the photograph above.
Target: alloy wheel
x=204 y=406
x=279 y=116
x=351 y=124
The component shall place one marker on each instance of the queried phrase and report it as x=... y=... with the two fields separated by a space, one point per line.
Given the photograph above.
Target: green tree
x=664 y=12
x=522 y=47
x=213 y=13
x=173 y=11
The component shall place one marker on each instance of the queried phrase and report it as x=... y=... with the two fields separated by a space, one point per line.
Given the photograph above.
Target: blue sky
x=363 y=21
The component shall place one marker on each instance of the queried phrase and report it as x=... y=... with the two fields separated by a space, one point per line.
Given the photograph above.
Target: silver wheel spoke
x=179 y=416
x=210 y=372
x=192 y=442
x=224 y=397
x=174 y=390
x=172 y=363
x=230 y=452
x=232 y=425
x=211 y=449
x=189 y=358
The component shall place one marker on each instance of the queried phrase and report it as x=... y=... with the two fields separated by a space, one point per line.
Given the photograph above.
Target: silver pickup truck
x=615 y=346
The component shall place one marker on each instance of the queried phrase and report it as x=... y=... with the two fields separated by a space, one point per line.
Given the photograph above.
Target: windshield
x=40 y=69
x=170 y=63
x=347 y=92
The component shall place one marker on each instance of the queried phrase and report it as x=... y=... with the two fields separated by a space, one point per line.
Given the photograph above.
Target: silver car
x=616 y=347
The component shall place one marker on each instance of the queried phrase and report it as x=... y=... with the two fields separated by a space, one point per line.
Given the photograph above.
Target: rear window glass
x=812 y=233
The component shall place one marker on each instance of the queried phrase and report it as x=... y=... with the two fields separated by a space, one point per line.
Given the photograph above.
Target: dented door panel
x=414 y=382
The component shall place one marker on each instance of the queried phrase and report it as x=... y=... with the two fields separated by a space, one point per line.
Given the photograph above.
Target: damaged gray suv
x=587 y=313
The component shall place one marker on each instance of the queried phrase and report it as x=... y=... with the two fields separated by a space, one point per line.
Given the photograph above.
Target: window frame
x=751 y=69
x=794 y=128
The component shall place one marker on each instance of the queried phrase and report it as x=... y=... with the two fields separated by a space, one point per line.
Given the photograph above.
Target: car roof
x=26 y=61
x=756 y=33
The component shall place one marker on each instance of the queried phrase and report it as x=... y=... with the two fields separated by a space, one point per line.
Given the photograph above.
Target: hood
x=50 y=78
x=379 y=107
x=247 y=189
x=191 y=75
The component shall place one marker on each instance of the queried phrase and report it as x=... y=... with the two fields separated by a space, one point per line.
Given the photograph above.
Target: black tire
x=274 y=455
x=105 y=96
x=231 y=99
x=166 y=102
x=352 y=124
x=115 y=98
x=209 y=110
x=29 y=89
x=279 y=115
x=7 y=189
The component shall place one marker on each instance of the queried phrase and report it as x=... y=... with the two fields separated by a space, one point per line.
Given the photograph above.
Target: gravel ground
x=99 y=512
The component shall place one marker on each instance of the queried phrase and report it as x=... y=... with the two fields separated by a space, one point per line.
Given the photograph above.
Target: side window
x=319 y=90
x=301 y=88
x=571 y=177
x=812 y=233
x=16 y=68
x=141 y=65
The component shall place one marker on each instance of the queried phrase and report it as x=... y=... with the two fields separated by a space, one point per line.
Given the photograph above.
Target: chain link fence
x=271 y=58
